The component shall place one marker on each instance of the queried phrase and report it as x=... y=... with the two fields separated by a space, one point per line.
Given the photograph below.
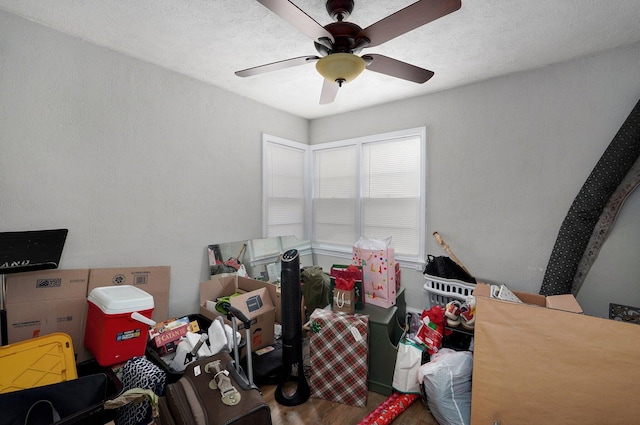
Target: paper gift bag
x=344 y=301
x=348 y=272
x=378 y=273
x=339 y=349
x=408 y=361
x=358 y=293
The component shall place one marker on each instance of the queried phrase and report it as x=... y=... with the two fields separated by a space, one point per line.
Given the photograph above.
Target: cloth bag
x=378 y=271
x=75 y=401
x=315 y=289
x=139 y=372
x=445 y=267
x=339 y=347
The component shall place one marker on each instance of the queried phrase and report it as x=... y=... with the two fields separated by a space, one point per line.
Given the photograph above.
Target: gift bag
x=344 y=301
x=358 y=294
x=349 y=272
x=431 y=330
x=408 y=361
x=339 y=347
x=378 y=271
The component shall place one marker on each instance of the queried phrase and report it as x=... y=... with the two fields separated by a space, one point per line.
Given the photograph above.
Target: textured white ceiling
x=210 y=39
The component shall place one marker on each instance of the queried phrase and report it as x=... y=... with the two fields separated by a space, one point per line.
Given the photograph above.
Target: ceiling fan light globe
x=342 y=67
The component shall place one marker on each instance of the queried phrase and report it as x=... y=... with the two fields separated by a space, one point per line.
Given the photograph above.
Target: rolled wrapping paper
x=389 y=409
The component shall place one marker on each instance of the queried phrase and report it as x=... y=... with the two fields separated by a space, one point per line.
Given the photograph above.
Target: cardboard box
x=256 y=300
x=541 y=361
x=153 y=280
x=43 y=302
x=566 y=302
x=275 y=289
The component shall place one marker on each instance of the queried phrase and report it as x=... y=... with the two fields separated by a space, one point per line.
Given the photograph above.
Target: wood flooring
x=322 y=412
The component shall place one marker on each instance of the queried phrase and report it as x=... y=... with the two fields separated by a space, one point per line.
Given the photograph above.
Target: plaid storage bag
x=339 y=348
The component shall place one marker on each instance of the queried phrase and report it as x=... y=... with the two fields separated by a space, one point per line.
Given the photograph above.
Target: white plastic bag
x=447 y=384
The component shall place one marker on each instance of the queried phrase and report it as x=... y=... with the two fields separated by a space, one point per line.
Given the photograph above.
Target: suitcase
x=215 y=390
x=192 y=400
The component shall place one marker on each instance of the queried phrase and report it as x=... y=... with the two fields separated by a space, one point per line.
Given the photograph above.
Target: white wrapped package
x=447 y=384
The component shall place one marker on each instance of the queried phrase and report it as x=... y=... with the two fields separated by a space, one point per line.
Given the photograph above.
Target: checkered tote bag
x=339 y=348
x=139 y=373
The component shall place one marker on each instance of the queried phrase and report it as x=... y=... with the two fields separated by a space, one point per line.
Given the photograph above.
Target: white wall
x=147 y=167
x=507 y=158
x=142 y=165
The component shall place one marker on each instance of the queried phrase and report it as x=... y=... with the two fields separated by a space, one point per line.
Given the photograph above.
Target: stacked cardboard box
x=44 y=302
x=257 y=300
x=48 y=301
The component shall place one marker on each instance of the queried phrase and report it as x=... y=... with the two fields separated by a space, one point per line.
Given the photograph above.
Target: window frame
x=342 y=251
x=339 y=250
x=270 y=140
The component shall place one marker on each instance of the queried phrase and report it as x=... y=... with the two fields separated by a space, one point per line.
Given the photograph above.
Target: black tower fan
x=291 y=332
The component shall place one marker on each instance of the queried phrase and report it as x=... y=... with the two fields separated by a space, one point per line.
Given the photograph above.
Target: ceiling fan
x=339 y=43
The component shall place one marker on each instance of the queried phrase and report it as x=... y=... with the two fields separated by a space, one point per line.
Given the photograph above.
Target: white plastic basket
x=441 y=290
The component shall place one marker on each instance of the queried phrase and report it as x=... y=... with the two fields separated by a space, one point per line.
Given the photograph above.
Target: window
x=372 y=186
x=283 y=187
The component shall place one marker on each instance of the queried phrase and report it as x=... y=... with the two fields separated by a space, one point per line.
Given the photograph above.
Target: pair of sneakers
x=461 y=313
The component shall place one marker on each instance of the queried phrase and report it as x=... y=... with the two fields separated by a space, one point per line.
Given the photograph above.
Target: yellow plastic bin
x=35 y=362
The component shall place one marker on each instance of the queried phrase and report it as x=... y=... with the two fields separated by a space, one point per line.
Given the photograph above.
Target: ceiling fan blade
x=411 y=17
x=329 y=92
x=298 y=18
x=395 y=68
x=287 y=63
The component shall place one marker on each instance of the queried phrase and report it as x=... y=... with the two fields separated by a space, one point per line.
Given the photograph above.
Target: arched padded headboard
x=604 y=188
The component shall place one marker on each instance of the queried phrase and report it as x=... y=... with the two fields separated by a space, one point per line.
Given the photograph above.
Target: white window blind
x=283 y=189
x=391 y=192
x=374 y=187
x=335 y=198
x=333 y=193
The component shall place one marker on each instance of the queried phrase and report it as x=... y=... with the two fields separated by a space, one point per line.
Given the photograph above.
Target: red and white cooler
x=118 y=321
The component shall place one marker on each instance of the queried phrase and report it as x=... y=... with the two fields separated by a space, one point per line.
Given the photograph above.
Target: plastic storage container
x=113 y=333
x=36 y=362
